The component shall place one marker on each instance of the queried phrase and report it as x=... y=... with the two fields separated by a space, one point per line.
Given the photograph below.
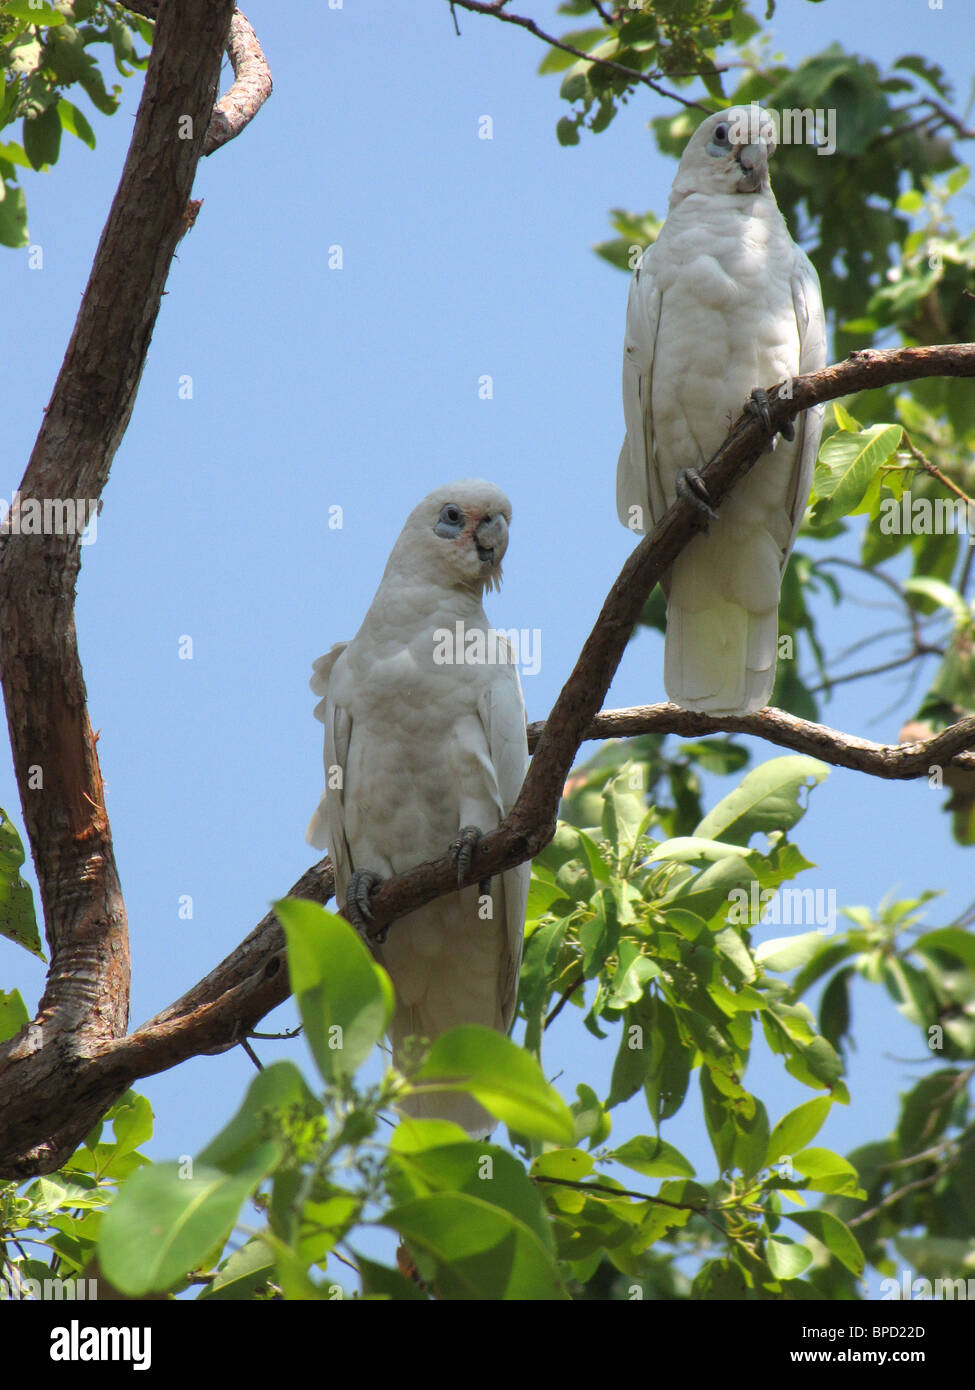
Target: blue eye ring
x=451 y=514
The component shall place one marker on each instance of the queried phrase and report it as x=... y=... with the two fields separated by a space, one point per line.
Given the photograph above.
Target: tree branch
x=495 y=9
x=252 y=77
x=894 y=762
x=85 y=1003
x=250 y=90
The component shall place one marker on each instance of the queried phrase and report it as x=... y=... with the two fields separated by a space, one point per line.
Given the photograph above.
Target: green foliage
x=49 y=1228
x=44 y=53
x=651 y=940
x=18 y=921
x=922 y=1177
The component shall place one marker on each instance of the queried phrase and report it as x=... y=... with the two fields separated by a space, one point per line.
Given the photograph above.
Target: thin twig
x=632 y=75
x=935 y=471
x=622 y=1192
x=563 y=1000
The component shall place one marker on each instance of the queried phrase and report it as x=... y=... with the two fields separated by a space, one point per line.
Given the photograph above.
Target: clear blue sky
x=358 y=387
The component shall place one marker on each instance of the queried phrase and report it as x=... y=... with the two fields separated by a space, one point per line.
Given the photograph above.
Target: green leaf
x=794 y=1131
x=787 y=952
x=847 y=465
x=591 y=1117
x=735 y=955
x=927 y=1111
x=827 y=1171
x=844 y=420
x=953 y=940
x=719 y=1280
x=941 y=594
x=42 y=137
x=567 y=1165
x=834 y=1007
x=278 y=1090
x=654 y=1158
x=786 y=1258
x=504 y=1078
x=958 y=178
x=38 y=13
x=634 y=1053
x=17 y=920
x=244 y=1275
x=599 y=936
x=345 y=999
x=720 y=1126
x=767 y=798
x=556 y=60
x=480 y=1250
x=422 y=1163
x=835 y=1235
x=693 y=849
x=75 y=123
x=162 y=1225
x=13 y=1014
x=131 y=1121
x=625 y=808
x=13 y=216
x=633 y=971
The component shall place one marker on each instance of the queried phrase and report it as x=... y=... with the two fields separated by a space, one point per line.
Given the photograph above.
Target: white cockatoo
x=425 y=749
x=722 y=303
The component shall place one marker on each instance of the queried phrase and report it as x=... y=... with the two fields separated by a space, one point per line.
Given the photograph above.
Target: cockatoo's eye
x=718 y=145
x=452 y=520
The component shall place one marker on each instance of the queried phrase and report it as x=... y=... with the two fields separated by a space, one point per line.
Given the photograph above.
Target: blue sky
x=314 y=387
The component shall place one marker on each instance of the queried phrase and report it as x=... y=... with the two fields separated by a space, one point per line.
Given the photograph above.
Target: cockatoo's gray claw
x=788 y=430
x=362 y=885
x=758 y=404
x=462 y=849
x=691 y=487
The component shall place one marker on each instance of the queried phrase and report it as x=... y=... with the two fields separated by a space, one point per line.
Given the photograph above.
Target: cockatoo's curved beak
x=754 y=162
x=491 y=539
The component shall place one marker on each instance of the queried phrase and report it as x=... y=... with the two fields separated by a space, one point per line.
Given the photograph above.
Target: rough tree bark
x=61 y=1073
x=86 y=1000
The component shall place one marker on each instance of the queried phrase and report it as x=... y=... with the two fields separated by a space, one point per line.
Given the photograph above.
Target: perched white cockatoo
x=722 y=303
x=424 y=751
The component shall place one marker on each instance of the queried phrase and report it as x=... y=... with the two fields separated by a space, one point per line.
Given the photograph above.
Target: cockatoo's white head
x=458 y=534
x=728 y=153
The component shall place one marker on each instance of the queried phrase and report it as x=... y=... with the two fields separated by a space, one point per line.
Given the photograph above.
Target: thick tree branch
x=250 y=90
x=252 y=77
x=896 y=762
x=85 y=1003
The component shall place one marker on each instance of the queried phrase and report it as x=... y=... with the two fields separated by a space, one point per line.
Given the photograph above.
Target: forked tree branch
x=251 y=86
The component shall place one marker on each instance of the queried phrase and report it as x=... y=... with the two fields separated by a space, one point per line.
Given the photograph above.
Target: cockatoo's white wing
x=811 y=325
x=338 y=729
x=502 y=713
x=639 y=498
